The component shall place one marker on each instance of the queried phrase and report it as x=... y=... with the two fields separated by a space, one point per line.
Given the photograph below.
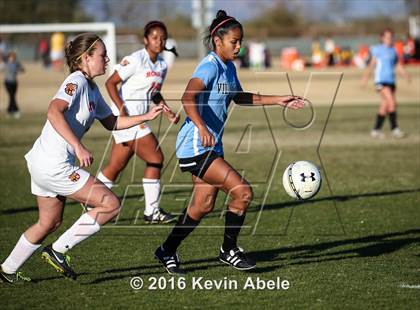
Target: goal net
x=38 y=84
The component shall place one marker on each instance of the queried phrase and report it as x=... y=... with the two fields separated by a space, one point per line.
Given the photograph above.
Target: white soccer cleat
x=397 y=133
x=377 y=134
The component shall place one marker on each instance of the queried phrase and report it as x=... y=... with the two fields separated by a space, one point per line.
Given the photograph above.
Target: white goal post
x=107 y=28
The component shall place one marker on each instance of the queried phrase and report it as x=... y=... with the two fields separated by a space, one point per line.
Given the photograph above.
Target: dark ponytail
x=219 y=27
x=83 y=43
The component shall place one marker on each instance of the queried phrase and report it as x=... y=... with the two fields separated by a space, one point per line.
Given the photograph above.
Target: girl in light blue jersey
x=384 y=61
x=199 y=144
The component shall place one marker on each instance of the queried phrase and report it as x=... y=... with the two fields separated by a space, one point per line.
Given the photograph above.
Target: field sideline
x=356 y=245
x=37 y=86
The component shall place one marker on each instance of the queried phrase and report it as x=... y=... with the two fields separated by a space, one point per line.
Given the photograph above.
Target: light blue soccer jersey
x=386 y=60
x=221 y=84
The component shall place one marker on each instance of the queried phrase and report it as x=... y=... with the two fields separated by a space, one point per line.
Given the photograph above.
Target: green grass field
x=356 y=245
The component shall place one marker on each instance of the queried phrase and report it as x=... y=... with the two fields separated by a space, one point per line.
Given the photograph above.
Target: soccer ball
x=302 y=180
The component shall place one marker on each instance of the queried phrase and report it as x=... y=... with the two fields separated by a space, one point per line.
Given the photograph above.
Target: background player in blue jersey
x=384 y=61
x=199 y=144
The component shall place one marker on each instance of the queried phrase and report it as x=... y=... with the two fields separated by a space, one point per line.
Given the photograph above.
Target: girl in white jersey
x=141 y=74
x=200 y=150
x=52 y=161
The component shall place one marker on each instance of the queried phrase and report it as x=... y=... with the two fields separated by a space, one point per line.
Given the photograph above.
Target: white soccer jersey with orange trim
x=85 y=103
x=141 y=78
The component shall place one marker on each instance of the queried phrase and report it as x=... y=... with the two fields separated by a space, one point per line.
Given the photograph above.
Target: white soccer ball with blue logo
x=302 y=180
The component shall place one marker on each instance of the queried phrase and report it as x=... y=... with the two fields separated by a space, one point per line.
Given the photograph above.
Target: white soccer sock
x=20 y=254
x=84 y=227
x=151 y=195
x=108 y=183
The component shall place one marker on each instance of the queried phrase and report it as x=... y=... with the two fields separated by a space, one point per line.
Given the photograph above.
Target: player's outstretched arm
x=56 y=117
x=194 y=87
x=169 y=114
x=244 y=98
x=113 y=122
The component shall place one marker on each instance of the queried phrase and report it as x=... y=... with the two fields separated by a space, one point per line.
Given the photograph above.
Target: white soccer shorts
x=132 y=133
x=64 y=182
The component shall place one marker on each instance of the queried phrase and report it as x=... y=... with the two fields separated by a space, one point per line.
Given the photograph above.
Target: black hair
x=158 y=24
x=83 y=43
x=219 y=27
x=154 y=24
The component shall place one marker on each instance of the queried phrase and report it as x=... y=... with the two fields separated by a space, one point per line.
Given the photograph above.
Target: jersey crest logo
x=124 y=62
x=74 y=177
x=70 y=89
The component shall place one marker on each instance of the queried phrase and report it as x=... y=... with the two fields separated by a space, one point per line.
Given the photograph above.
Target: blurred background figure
x=329 y=51
x=318 y=59
x=3 y=52
x=267 y=57
x=385 y=58
x=12 y=67
x=362 y=57
x=43 y=52
x=168 y=55
x=243 y=57
x=346 y=56
x=257 y=55
x=57 y=50
x=409 y=49
x=290 y=59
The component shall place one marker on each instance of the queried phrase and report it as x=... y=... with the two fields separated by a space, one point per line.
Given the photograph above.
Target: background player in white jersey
x=142 y=74
x=52 y=161
x=199 y=144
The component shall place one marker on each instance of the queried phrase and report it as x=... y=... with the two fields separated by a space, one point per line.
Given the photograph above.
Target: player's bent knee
x=157 y=165
x=113 y=203
x=243 y=193
x=248 y=194
x=112 y=211
x=115 y=211
x=50 y=226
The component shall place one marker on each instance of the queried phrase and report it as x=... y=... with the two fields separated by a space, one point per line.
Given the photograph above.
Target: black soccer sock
x=379 y=121
x=181 y=230
x=233 y=226
x=393 y=120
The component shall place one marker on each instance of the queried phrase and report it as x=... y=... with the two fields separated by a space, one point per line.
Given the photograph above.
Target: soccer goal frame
x=107 y=28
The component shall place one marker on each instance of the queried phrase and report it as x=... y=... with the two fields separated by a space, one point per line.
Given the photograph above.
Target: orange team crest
x=74 y=177
x=70 y=89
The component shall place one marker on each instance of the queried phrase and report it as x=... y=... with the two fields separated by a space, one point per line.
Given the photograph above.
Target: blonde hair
x=83 y=43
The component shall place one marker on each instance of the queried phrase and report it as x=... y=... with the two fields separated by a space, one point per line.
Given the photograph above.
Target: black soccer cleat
x=159 y=216
x=237 y=259
x=13 y=277
x=59 y=261
x=169 y=261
